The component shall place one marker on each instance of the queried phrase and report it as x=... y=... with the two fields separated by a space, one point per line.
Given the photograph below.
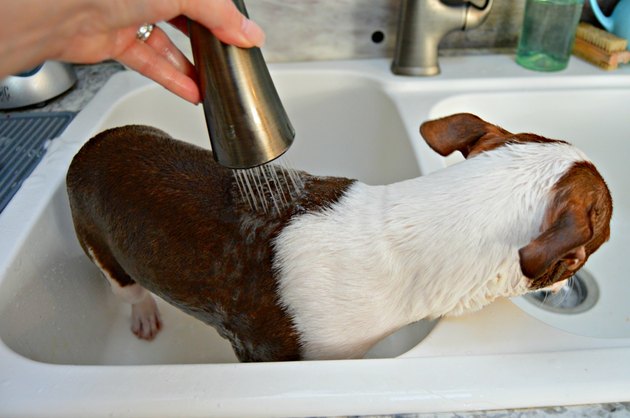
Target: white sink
x=341 y=123
x=66 y=349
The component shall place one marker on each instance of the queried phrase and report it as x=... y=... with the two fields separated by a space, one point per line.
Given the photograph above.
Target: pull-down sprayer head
x=246 y=121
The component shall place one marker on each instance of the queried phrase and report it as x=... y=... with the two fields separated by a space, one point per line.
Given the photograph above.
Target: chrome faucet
x=421 y=26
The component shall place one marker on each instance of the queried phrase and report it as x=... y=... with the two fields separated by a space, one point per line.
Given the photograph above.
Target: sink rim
x=385 y=385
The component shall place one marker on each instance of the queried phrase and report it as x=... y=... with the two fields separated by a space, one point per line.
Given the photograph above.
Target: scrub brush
x=600 y=47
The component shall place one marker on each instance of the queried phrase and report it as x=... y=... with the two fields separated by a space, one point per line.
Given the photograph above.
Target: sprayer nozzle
x=247 y=123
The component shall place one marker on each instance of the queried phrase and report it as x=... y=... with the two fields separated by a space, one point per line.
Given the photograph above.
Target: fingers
x=159 y=60
x=163 y=45
x=225 y=21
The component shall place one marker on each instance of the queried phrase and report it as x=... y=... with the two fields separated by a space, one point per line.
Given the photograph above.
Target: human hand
x=89 y=31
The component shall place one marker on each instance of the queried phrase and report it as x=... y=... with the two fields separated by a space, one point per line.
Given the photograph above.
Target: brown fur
x=577 y=223
x=164 y=214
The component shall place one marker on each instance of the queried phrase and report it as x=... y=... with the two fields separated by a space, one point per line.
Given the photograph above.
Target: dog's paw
x=145 y=318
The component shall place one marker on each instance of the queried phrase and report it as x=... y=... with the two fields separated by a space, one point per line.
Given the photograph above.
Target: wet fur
x=347 y=263
x=164 y=214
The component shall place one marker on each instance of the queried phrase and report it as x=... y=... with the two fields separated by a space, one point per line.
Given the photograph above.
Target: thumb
x=225 y=21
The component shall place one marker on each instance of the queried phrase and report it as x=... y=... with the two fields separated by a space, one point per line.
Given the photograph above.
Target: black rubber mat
x=24 y=138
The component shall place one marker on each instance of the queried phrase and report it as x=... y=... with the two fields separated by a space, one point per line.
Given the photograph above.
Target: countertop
x=92 y=77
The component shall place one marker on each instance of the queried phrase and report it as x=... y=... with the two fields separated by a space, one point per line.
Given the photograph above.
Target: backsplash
x=306 y=30
x=344 y=29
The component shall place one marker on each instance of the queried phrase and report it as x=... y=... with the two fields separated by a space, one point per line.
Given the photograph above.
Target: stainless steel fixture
x=36 y=85
x=247 y=123
x=421 y=26
x=579 y=295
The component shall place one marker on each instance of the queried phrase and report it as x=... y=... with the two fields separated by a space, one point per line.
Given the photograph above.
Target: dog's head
x=577 y=219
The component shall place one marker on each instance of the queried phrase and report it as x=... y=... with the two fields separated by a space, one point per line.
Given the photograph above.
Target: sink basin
x=342 y=122
x=65 y=344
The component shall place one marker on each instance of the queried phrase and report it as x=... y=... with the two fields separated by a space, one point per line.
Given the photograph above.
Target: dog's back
x=163 y=214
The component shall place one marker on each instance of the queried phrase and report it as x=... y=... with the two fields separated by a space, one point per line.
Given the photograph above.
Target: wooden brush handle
x=598 y=56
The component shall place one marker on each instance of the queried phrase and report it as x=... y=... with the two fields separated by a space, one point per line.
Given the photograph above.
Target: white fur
x=145 y=316
x=442 y=244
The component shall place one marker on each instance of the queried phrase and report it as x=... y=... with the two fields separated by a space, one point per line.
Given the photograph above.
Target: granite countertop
x=92 y=77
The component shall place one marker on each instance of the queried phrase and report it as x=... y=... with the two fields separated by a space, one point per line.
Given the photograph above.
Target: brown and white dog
x=346 y=264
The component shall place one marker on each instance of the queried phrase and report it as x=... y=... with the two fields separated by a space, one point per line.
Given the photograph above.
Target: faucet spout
x=475 y=14
x=421 y=26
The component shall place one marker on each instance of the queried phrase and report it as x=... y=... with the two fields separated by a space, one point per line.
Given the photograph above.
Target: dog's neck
x=441 y=244
x=458 y=231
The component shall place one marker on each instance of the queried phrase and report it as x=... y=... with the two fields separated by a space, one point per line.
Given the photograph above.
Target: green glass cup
x=548 y=33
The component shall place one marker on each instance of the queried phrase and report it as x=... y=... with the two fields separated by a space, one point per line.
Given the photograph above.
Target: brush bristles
x=599 y=47
x=600 y=38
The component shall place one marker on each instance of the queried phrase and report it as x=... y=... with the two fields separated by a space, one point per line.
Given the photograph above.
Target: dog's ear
x=576 y=223
x=462 y=132
x=563 y=240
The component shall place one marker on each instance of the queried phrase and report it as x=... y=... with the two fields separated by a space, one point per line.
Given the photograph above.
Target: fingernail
x=253 y=33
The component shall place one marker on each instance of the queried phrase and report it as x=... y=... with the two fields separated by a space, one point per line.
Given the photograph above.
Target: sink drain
x=578 y=295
